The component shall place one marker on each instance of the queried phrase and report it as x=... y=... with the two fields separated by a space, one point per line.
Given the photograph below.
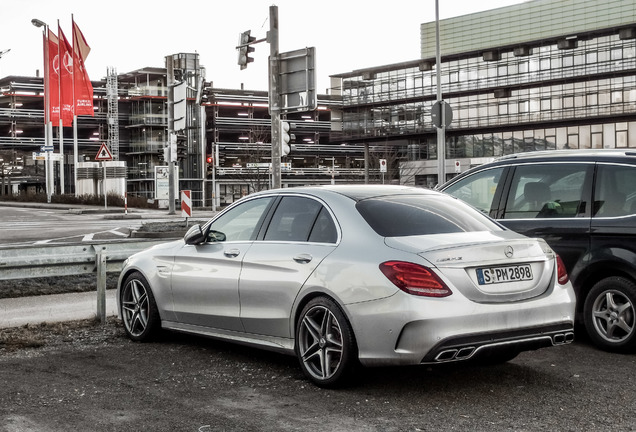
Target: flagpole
x=61 y=126
x=75 y=145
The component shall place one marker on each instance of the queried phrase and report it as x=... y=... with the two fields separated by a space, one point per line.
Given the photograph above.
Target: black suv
x=583 y=203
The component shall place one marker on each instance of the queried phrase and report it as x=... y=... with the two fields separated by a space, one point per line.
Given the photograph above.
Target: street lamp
x=48 y=132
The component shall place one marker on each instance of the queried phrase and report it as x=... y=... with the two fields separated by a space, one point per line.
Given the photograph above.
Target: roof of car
x=356 y=192
x=585 y=154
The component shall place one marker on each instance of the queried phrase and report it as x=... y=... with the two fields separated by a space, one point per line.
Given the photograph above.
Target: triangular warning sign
x=103 y=154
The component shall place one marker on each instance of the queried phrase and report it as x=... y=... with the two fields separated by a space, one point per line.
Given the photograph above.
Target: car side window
x=293 y=219
x=324 y=230
x=614 y=193
x=240 y=222
x=545 y=191
x=478 y=189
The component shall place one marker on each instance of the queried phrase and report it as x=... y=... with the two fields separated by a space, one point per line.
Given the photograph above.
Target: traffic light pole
x=274 y=95
x=441 y=131
x=171 y=157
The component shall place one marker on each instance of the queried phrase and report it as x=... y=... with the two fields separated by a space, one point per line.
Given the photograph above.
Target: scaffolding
x=113 y=112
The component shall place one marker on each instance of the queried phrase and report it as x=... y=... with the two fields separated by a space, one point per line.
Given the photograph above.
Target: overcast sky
x=133 y=34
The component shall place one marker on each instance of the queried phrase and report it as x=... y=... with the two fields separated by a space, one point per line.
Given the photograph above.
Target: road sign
x=436 y=114
x=104 y=154
x=47 y=155
x=298 y=81
x=383 y=165
x=186 y=203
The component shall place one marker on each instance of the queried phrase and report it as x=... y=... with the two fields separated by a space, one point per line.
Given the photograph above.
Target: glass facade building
x=572 y=87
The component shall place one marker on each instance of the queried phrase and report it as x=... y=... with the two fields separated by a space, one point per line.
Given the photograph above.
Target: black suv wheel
x=610 y=315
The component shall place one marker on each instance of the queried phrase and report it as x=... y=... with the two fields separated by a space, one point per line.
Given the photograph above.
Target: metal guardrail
x=23 y=262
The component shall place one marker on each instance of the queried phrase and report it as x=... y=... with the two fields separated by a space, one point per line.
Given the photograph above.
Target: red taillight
x=415 y=279
x=562 y=273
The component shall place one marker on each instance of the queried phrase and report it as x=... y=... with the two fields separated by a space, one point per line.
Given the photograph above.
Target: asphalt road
x=24 y=224
x=96 y=380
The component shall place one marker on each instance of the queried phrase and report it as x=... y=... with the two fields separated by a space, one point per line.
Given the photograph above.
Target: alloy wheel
x=613 y=316
x=320 y=343
x=135 y=307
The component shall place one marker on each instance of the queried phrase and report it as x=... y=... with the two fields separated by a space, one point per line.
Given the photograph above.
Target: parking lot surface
x=86 y=376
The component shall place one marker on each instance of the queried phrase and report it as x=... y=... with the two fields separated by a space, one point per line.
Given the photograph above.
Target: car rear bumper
x=408 y=330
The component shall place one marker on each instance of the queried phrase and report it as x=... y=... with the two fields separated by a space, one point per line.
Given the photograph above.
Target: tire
x=325 y=344
x=138 y=309
x=610 y=314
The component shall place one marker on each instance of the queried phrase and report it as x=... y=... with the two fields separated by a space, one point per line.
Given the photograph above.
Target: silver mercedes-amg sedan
x=343 y=276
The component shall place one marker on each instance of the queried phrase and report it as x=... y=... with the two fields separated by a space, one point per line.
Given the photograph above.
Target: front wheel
x=610 y=316
x=139 y=309
x=325 y=344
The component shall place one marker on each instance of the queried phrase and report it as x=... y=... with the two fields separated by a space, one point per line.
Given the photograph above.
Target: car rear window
x=408 y=215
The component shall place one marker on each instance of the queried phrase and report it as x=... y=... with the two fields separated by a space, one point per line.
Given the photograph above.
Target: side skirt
x=281 y=345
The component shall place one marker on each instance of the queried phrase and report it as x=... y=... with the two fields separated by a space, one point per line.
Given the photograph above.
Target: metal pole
x=171 y=179
x=366 y=163
x=215 y=163
x=48 y=138
x=274 y=96
x=104 y=186
x=441 y=131
x=75 y=152
x=101 y=286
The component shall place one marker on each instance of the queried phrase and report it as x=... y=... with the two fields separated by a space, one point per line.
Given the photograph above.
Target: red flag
x=66 y=79
x=53 y=78
x=82 y=84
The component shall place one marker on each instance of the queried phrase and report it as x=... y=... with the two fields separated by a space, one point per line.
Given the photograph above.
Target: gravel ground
x=90 y=377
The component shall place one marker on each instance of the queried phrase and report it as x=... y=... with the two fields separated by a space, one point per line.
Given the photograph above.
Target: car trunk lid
x=486 y=267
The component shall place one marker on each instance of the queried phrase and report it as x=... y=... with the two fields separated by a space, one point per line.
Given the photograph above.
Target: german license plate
x=493 y=275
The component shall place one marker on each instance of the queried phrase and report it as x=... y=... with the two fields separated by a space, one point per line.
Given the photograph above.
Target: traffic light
x=173 y=148
x=209 y=164
x=163 y=154
x=285 y=138
x=245 y=49
x=182 y=147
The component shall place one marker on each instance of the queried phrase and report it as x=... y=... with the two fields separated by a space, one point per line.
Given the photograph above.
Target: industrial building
x=539 y=75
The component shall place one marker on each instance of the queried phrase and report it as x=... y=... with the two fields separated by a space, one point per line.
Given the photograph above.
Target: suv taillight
x=562 y=273
x=415 y=279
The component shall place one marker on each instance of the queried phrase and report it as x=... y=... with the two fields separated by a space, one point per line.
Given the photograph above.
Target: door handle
x=232 y=253
x=303 y=258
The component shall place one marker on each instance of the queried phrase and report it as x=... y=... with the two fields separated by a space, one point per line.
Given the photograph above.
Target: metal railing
x=24 y=262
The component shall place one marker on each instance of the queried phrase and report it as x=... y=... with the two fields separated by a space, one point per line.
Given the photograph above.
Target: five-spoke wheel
x=138 y=308
x=610 y=314
x=324 y=343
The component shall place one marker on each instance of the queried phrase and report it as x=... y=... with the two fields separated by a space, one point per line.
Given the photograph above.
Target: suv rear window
x=407 y=215
x=614 y=194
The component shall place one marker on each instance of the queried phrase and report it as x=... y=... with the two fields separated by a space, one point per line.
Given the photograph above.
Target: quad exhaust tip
x=465 y=353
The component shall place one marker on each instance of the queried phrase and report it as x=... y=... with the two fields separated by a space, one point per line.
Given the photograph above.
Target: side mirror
x=194 y=235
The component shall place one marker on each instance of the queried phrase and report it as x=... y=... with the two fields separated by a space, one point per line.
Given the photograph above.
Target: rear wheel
x=139 y=309
x=610 y=314
x=325 y=344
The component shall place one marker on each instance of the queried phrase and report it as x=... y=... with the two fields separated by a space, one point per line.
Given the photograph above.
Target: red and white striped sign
x=186 y=203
